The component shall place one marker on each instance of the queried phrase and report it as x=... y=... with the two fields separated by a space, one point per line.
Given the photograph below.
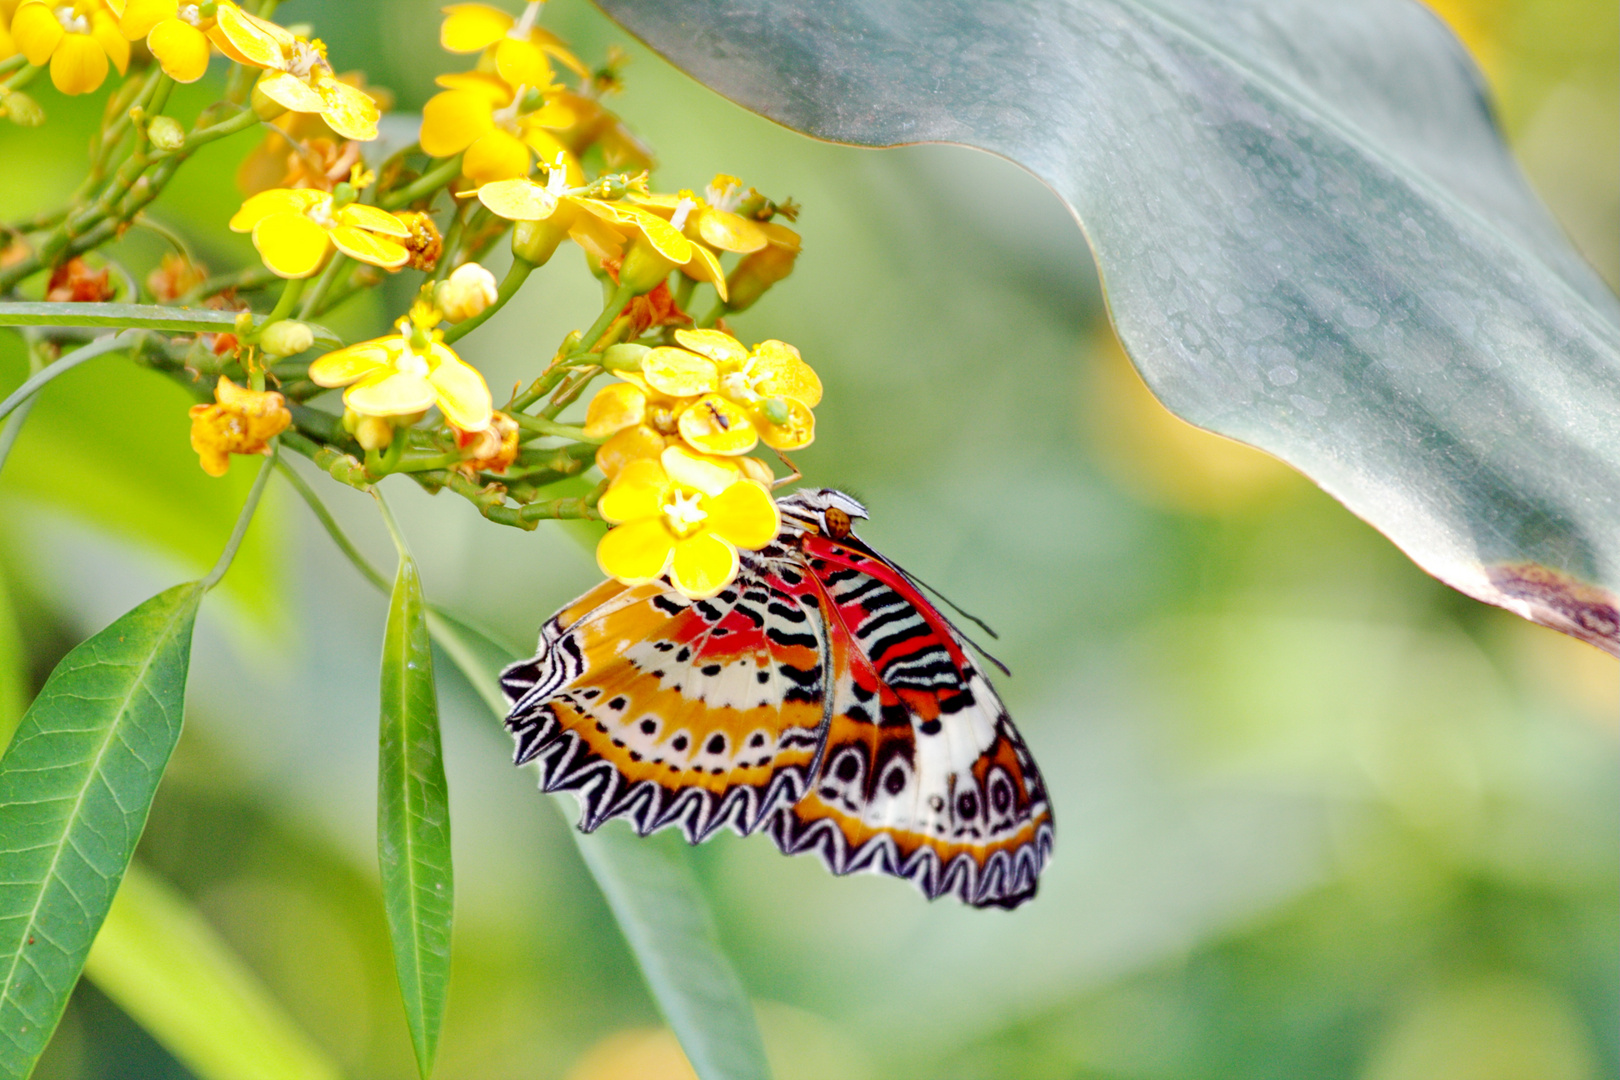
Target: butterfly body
x=819 y=698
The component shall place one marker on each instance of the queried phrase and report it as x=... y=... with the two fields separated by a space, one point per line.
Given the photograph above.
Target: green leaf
x=413 y=816
x=75 y=788
x=137 y=316
x=656 y=900
x=13 y=667
x=1311 y=235
x=158 y=958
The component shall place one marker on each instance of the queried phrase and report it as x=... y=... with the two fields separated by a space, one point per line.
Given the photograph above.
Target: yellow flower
x=758 y=271
x=406 y=374
x=77 y=39
x=240 y=421
x=604 y=229
x=298 y=78
x=729 y=398
x=173 y=31
x=711 y=217
x=296 y=228
x=686 y=516
x=517 y=48
x=479 y=113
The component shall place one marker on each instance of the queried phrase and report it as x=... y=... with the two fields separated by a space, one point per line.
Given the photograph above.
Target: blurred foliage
x=1318 y=816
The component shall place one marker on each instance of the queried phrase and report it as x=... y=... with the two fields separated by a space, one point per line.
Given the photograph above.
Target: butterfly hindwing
x=923 y=774
x=669 y=711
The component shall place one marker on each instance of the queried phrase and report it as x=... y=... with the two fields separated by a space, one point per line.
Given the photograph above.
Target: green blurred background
x=1318 y=815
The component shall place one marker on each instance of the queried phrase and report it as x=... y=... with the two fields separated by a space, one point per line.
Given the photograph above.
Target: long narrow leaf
x=413 y=816
x=75 y=788
x=657 y=903
x=163 y=964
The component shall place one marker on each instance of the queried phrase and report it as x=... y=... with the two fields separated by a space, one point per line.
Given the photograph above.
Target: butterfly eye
x=837 y=523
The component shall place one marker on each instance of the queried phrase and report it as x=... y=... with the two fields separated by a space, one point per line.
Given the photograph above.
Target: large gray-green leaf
x=1311 y=235
x=656 y=901
x=413 y=817
x=75 y=787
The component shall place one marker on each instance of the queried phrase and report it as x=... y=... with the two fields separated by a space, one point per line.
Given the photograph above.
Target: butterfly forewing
x=670 y=711
x=820 y=696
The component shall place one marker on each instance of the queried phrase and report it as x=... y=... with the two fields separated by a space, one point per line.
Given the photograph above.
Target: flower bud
x=373 y=432
x=267 y=107
x=761 y=269
x=466 y=293
x=624 y=356
x=286 y=337
x=21 y=109
x=644 y=268
x=536 y=241
x=166 y=133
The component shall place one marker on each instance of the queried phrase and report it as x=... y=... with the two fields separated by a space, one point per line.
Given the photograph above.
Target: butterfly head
x=822 y=511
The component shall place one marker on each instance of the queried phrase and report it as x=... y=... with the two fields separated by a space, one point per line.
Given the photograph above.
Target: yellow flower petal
x=715 y=425
x=661 y=235
x=180 y=48
x=717 y=345
x=637 y=492
x=599 y=239
x=393 y=394
x=473 y=27
x=547 y=147
x=709 y=475
x=744 y=514
x=729 y=232
x=679 y=373
x=613 y=409
x=104 y=28
x=631 y=444
x=461 y=392
x=637 y=552
x=703 y=565
x=36 y=33
x=352 y=364
x=347 y=110
x=518 y=199
x=495 y=155
x=703 y=266
x=452 y=120
x=274 y=201
x=491 y=88
x=798 y=432
x=79 y=64
x=368 y=248
x=290 y=244
x=784 y=374
x=372 y=219
x=140 y=16
x=290 y=92
x=521 y=63
x=255 y=41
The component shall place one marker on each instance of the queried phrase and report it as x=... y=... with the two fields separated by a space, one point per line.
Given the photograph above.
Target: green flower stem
x=541 y=425
x=289 y=297
x=452 y=239
x=131 y=95
x=715 y=314
x=243 y=520
x=537 y=389
x=610 y=311
x=570 y=393
x=323 y=285
x=446 y=460
x=33 y=383
x=521 y=269
x=344 y=468
x=683 y=292
x=581 y=508
x=22 y=76
x=329 y=523
x=394 y=533
x=12 y=63
x=424 y=185
x=19 y=416
x=380 y=463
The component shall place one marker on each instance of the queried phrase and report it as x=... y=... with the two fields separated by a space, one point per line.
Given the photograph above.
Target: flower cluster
x=519 y=146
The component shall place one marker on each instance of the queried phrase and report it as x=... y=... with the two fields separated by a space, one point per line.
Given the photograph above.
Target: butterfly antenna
x=948 y=602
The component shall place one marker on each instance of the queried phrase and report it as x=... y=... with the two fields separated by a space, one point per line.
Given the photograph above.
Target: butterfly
x=819 y=698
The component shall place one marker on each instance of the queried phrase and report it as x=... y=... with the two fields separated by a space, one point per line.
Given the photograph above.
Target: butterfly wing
x=922 y=774
x=669 y=711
